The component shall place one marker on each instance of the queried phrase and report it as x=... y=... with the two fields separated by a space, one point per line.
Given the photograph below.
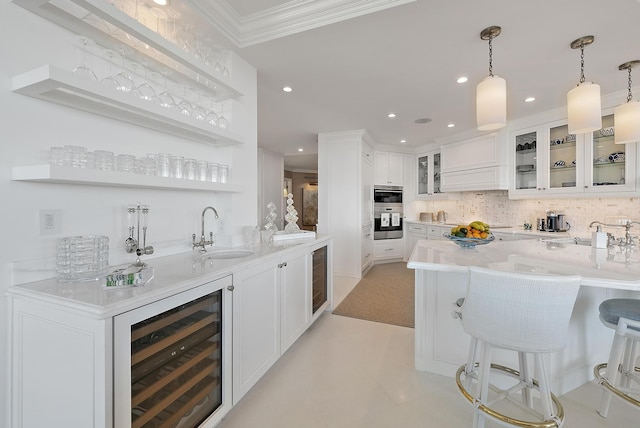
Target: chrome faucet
x=203 y=242
x=627 y=240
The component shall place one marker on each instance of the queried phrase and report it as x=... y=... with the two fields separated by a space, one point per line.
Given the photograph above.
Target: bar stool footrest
x=555 y=422
x=597 y=372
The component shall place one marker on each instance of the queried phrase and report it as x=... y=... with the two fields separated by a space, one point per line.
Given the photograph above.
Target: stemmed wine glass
x=144 y=90
x=125 y=82
x=223 y=122
x=186 y=109
x=110 y=80
x=83 y=69
x=212 y=117
x=160 y=14
x=199 y=112
x=164 y=98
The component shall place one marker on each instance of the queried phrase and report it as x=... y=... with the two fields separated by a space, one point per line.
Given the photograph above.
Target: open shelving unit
x=69 y=175
x=64 y=87
x=145 y=43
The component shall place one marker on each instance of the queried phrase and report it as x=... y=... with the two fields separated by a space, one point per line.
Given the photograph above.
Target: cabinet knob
x=231 y=288
x=586 y=187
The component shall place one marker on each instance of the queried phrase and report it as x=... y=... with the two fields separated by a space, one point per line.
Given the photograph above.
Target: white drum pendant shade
x=583 y=108
x=626 y=121
x=491 y=103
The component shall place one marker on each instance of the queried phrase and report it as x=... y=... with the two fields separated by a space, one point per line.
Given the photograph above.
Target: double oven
x=387 y=212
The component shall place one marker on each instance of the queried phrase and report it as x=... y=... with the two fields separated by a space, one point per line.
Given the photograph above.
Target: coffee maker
x=556 y=222
x=552 y=221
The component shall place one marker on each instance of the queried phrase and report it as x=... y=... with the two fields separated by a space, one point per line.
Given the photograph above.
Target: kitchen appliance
x=552 y=221
x=563 y=225
x=442 y=216
x=387 y=212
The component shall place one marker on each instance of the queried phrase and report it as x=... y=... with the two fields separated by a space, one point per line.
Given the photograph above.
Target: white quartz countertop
x=610 y=268
x=173 y=274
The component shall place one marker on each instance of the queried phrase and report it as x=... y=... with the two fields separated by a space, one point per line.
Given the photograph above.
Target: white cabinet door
x=389 y=168
x=296 y=300
x=256 y=324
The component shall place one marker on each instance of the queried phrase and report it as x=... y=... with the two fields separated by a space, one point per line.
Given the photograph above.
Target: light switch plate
x=50 y=221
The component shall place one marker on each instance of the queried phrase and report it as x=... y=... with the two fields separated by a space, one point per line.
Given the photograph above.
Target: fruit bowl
x=470 y=242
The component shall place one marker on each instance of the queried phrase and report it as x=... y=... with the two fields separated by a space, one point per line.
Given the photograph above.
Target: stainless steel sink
x=228 y=254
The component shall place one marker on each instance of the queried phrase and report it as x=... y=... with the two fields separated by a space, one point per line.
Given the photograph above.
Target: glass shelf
x=63 y=87
x=561 y=146
x=68 y=175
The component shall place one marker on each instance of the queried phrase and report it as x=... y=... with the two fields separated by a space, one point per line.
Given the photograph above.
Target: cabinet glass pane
x=176 y=365
x=608 y=157
x=526 y=161
x=436 y=173
x=423 y=175
x=562 y=158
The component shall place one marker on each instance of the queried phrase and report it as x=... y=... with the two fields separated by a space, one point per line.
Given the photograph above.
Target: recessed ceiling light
x=451 y=125
x=301 y=150
x=462 y=79
x=161 y=2
x=529 y=99
x=403 y=141
x=391 y=115
x=287 y=89
x=422 y=120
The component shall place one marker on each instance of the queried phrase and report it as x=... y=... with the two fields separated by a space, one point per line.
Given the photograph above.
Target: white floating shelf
x=64 y=87
x=94 y=177
x=186 y=69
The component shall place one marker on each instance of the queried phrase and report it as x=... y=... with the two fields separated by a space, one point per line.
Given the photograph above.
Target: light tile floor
x=350 y=373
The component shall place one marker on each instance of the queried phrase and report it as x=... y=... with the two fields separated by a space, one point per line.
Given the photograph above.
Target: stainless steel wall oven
x=387 y=212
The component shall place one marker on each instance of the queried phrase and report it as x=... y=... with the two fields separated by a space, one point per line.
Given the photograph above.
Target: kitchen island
x=441 y=277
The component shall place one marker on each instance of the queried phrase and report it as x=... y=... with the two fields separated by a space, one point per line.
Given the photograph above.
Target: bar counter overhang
x=441 y=274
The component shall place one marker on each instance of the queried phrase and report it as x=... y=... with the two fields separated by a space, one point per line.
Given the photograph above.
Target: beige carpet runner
x=385 y=294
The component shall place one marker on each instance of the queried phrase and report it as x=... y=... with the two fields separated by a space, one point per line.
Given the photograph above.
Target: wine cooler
x=319 y=278
x=170 y=366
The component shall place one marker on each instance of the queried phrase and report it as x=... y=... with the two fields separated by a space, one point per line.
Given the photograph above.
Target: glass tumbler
x=82 y=258
x=190 y=169
x=125 y=163
x=223 y=175
x=148 y=164
x=57 y=156
x=214 y=170
x=177 y=166
x=202 y=171
x=163 y=165
x=104 y=160
x=75 y=156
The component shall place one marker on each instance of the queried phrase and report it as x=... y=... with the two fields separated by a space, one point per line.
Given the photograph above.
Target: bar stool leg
x=527 y=399
x=615 y=358
x=543 y=387
x=470 y=368
x=483 y=383
x=628 y=363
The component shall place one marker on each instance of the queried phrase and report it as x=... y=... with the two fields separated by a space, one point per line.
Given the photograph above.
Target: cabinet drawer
x=417 y=228
x=389 y=249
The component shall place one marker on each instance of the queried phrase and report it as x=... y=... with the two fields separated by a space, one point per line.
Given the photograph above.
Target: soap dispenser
x=598 y=238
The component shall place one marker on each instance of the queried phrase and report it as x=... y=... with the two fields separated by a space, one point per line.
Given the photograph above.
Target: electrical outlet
x=50 y=222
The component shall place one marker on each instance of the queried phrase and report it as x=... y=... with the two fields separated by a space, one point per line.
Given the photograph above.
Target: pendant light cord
x=629 y=96
x=582 y=63
x=490 y=57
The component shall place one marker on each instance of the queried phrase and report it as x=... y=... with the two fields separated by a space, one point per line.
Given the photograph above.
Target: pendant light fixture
x=626 y=117
x=491 y=93
x=583 y=102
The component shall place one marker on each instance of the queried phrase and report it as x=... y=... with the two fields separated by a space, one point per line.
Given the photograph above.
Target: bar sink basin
x=228 y=254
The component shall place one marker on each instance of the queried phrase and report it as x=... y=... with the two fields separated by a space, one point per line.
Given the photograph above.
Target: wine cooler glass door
x=170 y=359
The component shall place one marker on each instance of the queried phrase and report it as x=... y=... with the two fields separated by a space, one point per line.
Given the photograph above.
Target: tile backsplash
x=495 y=207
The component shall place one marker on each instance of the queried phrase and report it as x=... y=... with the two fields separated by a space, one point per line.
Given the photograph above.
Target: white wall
x=270 y=185
x=28 y=127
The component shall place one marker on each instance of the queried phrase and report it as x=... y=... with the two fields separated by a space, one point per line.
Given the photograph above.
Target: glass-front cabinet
x=547 y=160
x=428 y=174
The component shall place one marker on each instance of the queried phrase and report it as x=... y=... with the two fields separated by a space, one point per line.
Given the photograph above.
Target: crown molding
x=286 y=19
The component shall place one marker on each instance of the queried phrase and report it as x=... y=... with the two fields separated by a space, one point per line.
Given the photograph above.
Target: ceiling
x=350 y=62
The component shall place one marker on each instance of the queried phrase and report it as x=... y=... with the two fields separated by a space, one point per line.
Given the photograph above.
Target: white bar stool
x=525 y=313
x=622 y=315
